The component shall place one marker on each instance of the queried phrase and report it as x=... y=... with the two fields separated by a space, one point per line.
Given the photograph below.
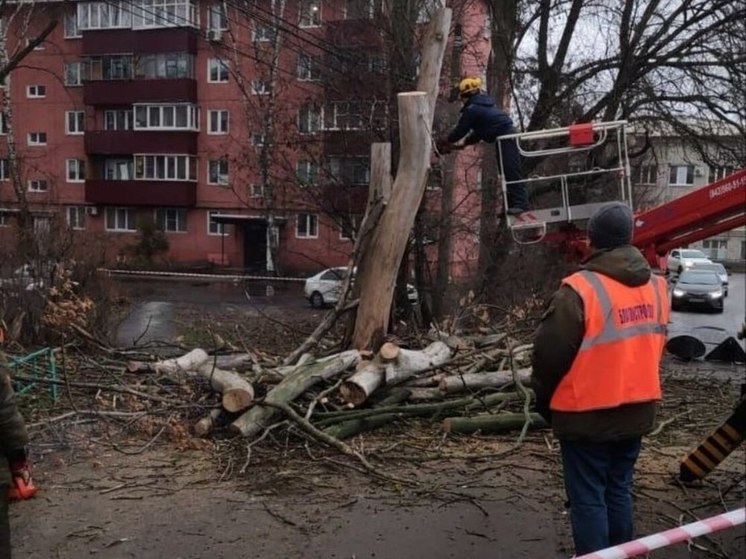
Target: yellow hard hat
x=469 y=85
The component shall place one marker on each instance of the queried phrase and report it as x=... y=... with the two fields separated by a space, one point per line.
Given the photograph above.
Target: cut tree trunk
x=206 y=425
x=492 y=424
x=378 y=267
x=237 y=393
x=487 y=379
x=293 y=385
x=390 y=366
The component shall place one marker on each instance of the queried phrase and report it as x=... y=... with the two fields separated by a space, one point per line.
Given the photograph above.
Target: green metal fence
x=39 y=364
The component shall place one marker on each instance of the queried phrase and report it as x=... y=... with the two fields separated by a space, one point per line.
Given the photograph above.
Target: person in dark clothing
x=482 y=121
x=596 y=362
x=13 y=462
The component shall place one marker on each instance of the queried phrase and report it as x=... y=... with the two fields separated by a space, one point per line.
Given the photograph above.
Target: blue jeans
x=598 y=481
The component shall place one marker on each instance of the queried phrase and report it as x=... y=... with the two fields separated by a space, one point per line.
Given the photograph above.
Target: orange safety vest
x=625 y=333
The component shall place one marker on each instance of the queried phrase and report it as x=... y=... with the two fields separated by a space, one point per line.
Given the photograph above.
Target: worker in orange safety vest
x=596 y=362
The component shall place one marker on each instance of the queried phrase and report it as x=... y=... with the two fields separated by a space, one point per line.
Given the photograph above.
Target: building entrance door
x=255 y=246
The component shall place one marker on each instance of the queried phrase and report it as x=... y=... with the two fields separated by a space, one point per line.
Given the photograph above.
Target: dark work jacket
x=481 y=120
x=557 y=341
x=13 y=437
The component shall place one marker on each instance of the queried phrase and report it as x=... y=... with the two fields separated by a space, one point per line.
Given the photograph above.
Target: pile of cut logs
x=467 y=383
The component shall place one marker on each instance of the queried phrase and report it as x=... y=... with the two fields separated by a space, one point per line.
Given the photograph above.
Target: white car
x=325 y=287
x=682 y=259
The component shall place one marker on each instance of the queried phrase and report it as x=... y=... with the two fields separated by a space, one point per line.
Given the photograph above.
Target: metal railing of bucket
x=40 y=364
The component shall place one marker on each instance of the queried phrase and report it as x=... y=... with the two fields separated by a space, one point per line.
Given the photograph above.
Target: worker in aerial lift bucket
x=482 y=121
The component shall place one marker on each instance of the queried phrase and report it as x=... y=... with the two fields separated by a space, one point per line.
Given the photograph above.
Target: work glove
x=22 y=486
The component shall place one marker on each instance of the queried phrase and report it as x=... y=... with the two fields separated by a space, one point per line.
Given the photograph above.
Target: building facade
x=241 y=132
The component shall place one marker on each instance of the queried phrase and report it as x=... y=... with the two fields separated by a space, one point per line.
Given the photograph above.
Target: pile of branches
x=470 y=384
x=465 y=384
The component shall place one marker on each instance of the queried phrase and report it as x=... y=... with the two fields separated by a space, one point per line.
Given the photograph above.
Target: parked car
x=699 y=288
x=325 y=287
x=716 y=267
x=23 y=277
x=682 y=258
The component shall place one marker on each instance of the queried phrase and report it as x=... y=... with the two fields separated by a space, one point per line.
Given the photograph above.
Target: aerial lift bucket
x=557 y=153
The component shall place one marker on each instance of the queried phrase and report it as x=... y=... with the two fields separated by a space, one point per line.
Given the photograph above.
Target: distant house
x=675 y=166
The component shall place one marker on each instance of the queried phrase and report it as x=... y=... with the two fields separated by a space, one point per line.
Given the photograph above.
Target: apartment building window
x=350 y=170
x=362 y=9
x=217 y=70
x=343 y=115
x=217 y=18
x=115 y=67
x=171 y=220
x=73 y=74
x=165 y=65
x=3 y=125
x=264 y=33
x=217 y=171
x=720 y=172
x=166 y=117
x=75 y=170
x=309 y=119
x=681 y=175
x=38 y=185
x=349 y=225
x=4 y=170
x=118 y=169
x=104 y=15
x=165 y=167
x=4 y=221
x=647 y=174
x=257 y=191
x=307 y=172
x=76 y=217
x=715 y=249
x=37 y=138
x=74 y=122
x=213 y=227
x=164 y=13
x=307 y=226
x=36 y=91
x=71 y=26
x=121 y=219
x=260 y=87
x=310 y=13
x=257 y=140
x=118 y=119
x=217 y=121
x=358 y=61
x=309 y=67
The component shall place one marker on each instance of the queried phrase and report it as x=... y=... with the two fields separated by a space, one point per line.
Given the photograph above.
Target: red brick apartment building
x=244 y=136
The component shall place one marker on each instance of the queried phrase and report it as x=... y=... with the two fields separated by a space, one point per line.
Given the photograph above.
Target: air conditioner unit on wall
x=214 y=35
x=91 y=210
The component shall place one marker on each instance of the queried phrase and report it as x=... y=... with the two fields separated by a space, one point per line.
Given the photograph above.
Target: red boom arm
x=707 y=211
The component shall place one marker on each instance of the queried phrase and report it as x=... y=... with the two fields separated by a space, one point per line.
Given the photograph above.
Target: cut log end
x=352 y=393
x=237 y=399
x=389 y=351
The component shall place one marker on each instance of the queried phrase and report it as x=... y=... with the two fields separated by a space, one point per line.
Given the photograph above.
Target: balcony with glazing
x=143 y=180
x=145 y=128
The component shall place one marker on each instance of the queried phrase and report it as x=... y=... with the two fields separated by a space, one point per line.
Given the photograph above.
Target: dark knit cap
x=611 y=226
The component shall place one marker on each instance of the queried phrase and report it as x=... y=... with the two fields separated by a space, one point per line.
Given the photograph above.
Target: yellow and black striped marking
x=715 y=448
